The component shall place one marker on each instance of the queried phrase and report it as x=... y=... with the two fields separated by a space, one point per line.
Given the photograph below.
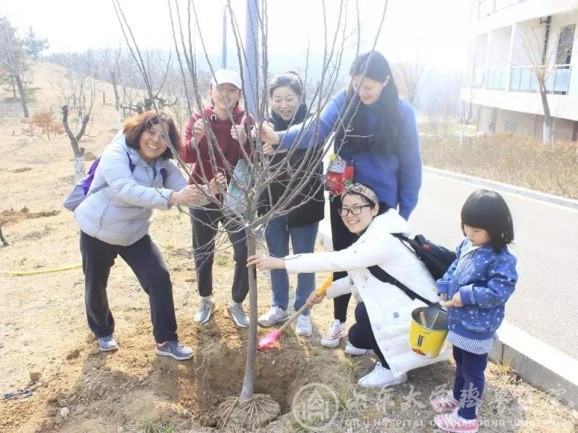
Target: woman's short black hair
x=288 y=79
x=486 y=209
x=134 y=127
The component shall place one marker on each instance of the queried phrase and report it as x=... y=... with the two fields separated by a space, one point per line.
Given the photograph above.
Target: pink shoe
x=446 y=403
x=452 y=422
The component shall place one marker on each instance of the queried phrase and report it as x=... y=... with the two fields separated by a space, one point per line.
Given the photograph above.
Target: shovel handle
x=321 y=291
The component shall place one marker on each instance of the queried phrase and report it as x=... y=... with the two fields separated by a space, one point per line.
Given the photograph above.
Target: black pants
x=361 y=335
x=341 y=239
x=205 y=222
x=145 y=259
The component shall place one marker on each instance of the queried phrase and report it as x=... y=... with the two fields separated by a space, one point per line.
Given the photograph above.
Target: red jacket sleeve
x=188 y=152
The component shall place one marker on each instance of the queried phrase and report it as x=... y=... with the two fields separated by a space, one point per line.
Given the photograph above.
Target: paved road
x=545 y=303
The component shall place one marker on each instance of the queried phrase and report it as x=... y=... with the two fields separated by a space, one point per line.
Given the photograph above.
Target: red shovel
x=272 y=338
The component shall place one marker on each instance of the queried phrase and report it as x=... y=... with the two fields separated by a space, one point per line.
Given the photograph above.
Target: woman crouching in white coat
x=383 y=312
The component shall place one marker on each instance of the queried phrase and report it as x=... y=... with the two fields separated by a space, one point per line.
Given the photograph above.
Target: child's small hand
x=456 y=301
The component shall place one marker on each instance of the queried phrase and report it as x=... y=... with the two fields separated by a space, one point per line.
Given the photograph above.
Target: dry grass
x=517 y=160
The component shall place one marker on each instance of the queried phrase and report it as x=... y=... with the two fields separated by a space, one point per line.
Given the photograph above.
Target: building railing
x=523 y=79
x=497 y=79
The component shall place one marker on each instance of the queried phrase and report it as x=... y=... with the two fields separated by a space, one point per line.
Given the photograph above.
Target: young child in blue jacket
x=477 y=285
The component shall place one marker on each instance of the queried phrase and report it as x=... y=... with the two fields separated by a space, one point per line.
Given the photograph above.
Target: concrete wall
x=498 y=54
x=515 y=122
x=504 y=121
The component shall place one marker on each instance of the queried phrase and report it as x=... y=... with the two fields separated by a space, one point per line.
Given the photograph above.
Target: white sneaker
x=350 y=349
x=303 y=326
x=336 y=332
x=381 y=377
x=273 y=316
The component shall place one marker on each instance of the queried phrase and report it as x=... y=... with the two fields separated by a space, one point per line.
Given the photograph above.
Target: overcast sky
x=435 y=31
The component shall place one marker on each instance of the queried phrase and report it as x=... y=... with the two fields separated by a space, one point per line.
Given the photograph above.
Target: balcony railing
x=523 y=79
x=497 y=79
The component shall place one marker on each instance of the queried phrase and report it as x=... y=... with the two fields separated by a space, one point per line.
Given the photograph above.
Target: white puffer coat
x=121 y=213
x=389 y=309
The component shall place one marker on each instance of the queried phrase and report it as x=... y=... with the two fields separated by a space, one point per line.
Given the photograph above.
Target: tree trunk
x=249 y=379
x=547 y=132
x=547 y=127
x=116 y=101
x=4 y=243
x=22 y=92
x=13 y=86
x=79 y=171
x=76 y=149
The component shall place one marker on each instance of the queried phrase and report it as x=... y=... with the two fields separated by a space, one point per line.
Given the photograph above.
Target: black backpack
x=436 y=258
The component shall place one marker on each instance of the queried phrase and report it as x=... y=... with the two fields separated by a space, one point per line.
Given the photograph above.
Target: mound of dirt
x=14 y=216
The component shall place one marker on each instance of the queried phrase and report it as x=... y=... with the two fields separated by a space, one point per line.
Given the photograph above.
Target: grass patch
x=155 y=426
x=517 y=160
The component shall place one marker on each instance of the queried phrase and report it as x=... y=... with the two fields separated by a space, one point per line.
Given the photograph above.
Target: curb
x=504 y=187
x=536 y=362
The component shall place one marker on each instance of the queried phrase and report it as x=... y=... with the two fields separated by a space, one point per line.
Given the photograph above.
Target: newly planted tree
x=251 y=177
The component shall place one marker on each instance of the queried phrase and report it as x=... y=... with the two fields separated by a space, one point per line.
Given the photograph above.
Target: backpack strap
x=104 y=185
x=404 y=240
x=379 y=273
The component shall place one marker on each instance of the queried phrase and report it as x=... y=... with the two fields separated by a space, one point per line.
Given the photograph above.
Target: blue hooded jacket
x=396 y=179
x=485 y=280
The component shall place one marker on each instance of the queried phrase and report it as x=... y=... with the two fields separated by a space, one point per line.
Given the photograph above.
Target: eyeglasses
x=228 y=92
x=353 y=210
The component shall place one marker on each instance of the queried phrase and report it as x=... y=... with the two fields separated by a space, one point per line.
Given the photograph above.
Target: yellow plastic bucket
x=427 y=339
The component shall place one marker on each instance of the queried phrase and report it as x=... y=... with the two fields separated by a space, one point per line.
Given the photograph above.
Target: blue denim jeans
x=303 y=241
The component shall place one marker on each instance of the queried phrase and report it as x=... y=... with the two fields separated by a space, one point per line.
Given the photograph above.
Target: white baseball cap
x=223 y=76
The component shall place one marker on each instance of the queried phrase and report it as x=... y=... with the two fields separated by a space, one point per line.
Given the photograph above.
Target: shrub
x=46 y=122
x=517 y=160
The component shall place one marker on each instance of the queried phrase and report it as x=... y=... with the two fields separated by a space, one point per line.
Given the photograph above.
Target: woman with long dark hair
x=376 y=134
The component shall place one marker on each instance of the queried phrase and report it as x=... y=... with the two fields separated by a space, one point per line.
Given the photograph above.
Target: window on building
x=510 y=126
x=565 y=44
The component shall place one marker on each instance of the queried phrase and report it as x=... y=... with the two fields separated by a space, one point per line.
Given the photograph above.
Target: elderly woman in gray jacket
x=135 y=175
x=383 y=310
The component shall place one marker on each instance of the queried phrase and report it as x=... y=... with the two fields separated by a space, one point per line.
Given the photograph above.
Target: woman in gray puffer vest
x=134 y=176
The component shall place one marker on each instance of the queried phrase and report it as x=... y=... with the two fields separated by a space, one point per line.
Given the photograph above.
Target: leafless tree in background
x=13 y=59
x=78 y=94
x=408 y=78
x=544 y=52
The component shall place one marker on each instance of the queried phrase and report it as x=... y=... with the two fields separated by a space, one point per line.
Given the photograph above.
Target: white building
x=509 y=39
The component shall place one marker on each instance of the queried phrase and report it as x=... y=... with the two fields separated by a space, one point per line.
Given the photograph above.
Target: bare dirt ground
x=46 y=348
